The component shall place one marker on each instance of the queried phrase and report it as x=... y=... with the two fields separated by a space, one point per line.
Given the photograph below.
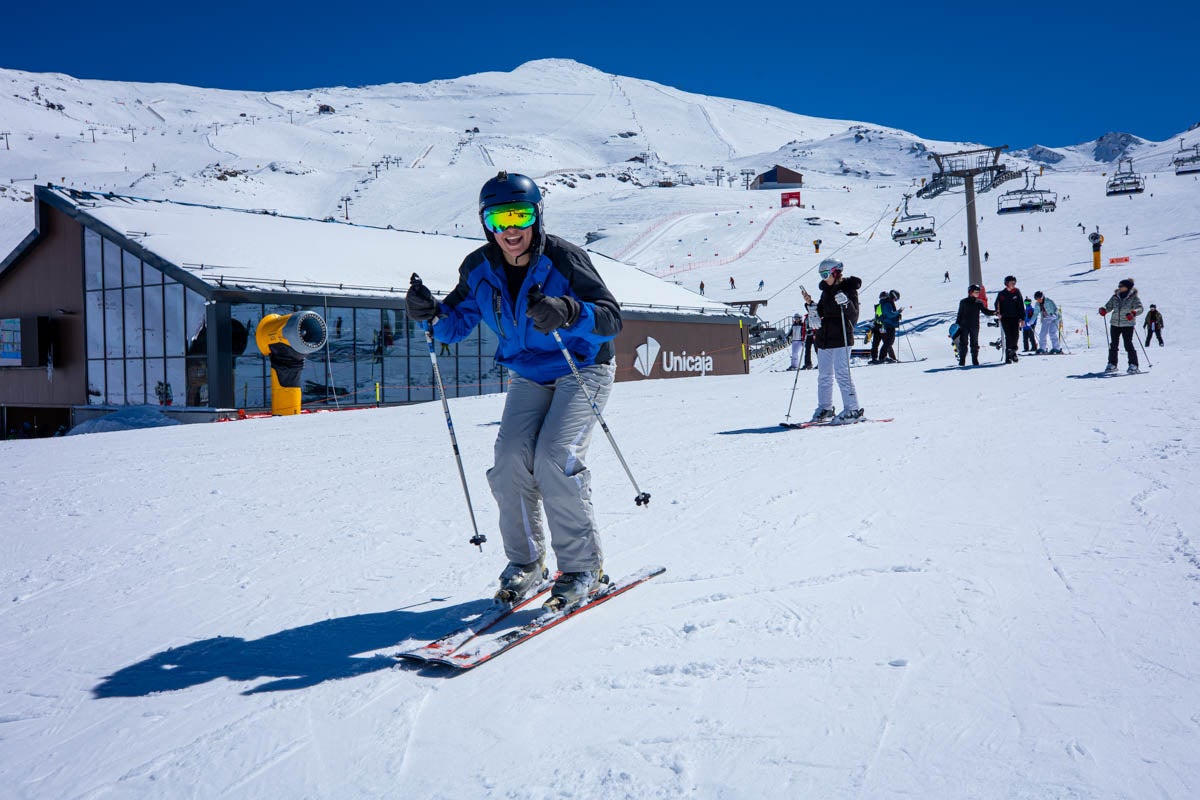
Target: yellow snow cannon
x=287 y=339
x=1097 y=240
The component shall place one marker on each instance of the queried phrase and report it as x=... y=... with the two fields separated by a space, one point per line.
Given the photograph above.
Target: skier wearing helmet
x=969 y=309
x=838 y=309
x=526 y=285
x=889 y=321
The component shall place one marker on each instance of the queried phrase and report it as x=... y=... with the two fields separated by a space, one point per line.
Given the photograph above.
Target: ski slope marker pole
x=478 y=539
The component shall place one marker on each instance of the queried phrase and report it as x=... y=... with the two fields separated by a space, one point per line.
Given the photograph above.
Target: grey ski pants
x=544 y=435
x=834 y=362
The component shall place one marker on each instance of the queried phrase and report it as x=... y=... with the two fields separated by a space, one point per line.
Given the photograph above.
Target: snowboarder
x=1028 y=342
x=1153 y=325
x=526 y=285
x=1010 y=305
x=838 y=310
x=1048 y=318
x=969 y=309
x=889 y=321
x=1124 y=306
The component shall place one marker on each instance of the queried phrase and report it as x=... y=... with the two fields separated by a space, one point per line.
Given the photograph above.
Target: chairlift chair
x=1027 y=200
x=1125 y=181
x=913 y=228
x=1187 y=161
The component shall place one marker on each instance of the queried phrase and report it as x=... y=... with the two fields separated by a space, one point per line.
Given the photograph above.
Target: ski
x=828 y=424
x=492 y=616
x=484 y=649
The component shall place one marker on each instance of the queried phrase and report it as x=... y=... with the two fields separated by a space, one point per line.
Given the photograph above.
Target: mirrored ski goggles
x=509 y=215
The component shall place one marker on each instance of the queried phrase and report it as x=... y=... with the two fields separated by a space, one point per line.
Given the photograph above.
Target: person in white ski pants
x=1047 y=322
x=797 y=336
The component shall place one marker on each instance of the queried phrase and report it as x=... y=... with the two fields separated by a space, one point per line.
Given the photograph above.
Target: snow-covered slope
x=994 y=595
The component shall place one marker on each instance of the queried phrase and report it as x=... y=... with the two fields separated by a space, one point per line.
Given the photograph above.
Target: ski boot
x=847 y=417
x=822 y=415
x=572 y=588
x=517 y=579
x=1133 y=369
x=1111 y=368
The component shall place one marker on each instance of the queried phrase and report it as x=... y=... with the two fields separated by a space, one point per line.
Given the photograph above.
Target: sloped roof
x=262 y=250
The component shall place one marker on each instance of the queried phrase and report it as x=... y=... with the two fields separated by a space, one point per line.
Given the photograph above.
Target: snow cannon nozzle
x=287 y=339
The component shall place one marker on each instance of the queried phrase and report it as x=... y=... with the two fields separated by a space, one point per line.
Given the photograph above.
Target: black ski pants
x=1012 y=336
x=876 y=333
x=1154 y=332
x=1028 y=342
x=808 y=348
x=966 y=334
x=885 y=346
x=1126 y=333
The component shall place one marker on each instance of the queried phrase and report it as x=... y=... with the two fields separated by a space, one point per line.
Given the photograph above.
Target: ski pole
x=1087 y=332
x=795 y=379
x=1143 y=347
x=910 y=347
x=642 y=498
x=478 y=539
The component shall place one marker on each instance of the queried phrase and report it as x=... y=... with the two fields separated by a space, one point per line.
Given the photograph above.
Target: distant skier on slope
x=1048 y=318
x=1010 y=305
x=1124 y=306
x=1153 y=325
x=838 y=309
x=547 y=421
x=969 y=309
x=889 y=321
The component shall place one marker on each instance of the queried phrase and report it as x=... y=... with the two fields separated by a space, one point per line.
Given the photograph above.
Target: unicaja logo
x=645 y=354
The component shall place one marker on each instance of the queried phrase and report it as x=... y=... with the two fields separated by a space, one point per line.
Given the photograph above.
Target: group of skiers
x=1017 y=313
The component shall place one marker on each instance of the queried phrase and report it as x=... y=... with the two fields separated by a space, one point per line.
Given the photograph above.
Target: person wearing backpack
x=889 y=321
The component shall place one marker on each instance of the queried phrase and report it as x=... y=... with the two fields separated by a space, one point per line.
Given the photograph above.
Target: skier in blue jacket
x=525 y=285
x=889 y=321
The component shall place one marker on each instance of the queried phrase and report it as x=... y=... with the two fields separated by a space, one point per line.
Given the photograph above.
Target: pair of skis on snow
x=828 y=423
x=476 y=643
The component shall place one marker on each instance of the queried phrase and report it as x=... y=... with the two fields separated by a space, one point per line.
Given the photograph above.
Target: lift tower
x=966 y=166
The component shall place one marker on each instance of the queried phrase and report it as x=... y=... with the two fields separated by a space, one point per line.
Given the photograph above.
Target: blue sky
x=1060 y=74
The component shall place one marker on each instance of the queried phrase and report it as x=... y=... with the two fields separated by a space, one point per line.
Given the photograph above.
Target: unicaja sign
x=647 y=354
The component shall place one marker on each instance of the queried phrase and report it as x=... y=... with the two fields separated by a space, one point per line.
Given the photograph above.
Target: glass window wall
x=139 y=331
x=147 y=342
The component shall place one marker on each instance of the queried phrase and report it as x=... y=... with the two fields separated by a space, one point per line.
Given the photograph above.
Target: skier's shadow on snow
x=294 y=659
x=740 y=431
x=957 y=368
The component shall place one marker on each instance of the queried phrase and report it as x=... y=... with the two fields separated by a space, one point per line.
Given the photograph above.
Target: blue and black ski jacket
x=560 y=268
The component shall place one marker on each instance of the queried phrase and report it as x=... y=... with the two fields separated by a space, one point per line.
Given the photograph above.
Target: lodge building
x=114 y=301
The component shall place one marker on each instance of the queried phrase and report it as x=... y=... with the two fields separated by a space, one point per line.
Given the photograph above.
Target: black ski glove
x=551 y=313
x=421 y=305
